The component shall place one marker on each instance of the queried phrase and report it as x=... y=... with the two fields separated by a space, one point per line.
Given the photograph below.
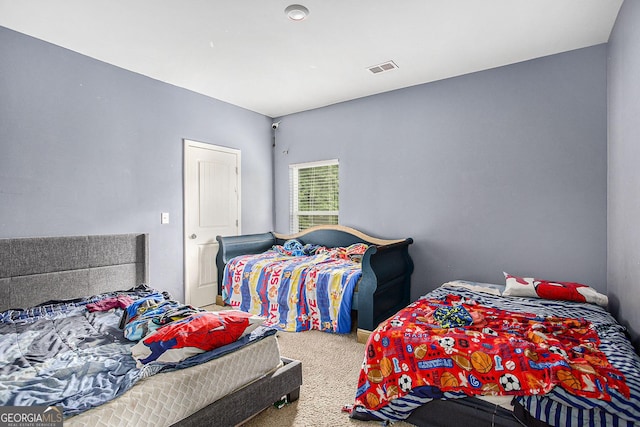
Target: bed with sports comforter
x=530 y=355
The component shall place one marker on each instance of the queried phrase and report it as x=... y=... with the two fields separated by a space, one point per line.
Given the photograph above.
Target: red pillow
x=194 y=334
x=565 y=291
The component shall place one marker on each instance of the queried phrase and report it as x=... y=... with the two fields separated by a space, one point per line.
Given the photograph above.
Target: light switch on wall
x=164 y=218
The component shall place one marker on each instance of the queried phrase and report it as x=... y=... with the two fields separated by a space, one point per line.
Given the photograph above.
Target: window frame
x=294 y=181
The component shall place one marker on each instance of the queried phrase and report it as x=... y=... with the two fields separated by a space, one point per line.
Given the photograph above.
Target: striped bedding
x=558 y=407
x=294 y=293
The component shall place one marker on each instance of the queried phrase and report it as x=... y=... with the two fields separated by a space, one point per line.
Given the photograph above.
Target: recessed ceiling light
x=296 y=12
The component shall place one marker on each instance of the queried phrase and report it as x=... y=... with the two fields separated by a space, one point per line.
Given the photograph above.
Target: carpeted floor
x=330 y=366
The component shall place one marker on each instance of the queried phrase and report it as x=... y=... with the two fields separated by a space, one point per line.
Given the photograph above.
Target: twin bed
x=498 y=357
x=91 y=372
x=382 y=285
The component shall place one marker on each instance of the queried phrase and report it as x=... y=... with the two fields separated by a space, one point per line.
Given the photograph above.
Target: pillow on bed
x=194 y=334
x=565 y=291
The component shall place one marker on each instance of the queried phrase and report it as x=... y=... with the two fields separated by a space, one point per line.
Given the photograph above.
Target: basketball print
x=372 y=400
x=481 y=362
x=386 y=367
x=568 y=380
x=595 y=360
x=448 y=380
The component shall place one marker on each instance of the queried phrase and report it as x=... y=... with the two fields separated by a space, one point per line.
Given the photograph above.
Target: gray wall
x=89 y=148
x=624 y=174
x=501 y=170
x=498 y=170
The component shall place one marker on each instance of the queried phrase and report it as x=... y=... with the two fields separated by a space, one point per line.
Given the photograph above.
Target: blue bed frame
x=385 y=286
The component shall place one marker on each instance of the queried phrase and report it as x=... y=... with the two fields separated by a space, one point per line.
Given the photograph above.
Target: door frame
x=185 y=209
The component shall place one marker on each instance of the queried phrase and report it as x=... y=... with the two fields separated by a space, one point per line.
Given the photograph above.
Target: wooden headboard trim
x=343 y=228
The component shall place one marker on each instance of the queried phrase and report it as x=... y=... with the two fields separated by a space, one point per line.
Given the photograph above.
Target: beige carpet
x=330 y=367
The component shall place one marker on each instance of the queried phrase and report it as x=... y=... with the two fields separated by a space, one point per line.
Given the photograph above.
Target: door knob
x=193 y=236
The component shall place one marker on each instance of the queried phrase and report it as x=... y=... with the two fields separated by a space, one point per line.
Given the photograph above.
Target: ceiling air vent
x=385 y=66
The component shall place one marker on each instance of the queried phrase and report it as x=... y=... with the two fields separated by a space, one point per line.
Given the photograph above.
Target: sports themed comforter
x=296 y=287
x=75 y=353
x=567 y=363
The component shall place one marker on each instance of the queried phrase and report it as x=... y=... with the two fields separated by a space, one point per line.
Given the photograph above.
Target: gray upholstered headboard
x=38 y=269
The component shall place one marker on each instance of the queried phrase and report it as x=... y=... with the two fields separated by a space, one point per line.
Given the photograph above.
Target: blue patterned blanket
x=63 y=354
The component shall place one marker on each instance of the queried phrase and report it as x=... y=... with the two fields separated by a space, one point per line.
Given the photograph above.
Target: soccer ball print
x=405 y=383
x=510 y=382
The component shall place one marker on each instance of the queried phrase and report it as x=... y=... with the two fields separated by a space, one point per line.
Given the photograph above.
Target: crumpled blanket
x=63 y=354
x=296 y=248
x=120 y=301
x=150 y=313
x=451 y=317
x=507 y=353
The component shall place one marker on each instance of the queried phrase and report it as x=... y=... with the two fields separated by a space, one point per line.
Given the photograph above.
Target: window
x=314 y=194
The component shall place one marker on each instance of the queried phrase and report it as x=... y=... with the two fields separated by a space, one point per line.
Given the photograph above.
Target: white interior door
x=212 y=207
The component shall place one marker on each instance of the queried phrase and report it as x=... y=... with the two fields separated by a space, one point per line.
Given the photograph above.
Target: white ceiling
x=248 y=53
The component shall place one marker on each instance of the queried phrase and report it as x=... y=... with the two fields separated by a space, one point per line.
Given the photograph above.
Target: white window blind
x=313 y=194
